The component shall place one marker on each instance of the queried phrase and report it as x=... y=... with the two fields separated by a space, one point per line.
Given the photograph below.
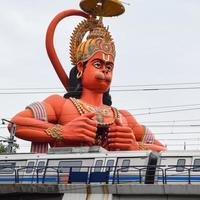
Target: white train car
x=71 y=165
x=96 y=165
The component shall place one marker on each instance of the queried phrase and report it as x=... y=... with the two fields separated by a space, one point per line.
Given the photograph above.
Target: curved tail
x=50 y=44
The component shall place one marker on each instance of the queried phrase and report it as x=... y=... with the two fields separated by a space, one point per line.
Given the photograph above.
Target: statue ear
x=80 y=66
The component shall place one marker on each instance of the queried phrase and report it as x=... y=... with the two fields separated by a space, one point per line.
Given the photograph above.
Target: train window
x=196 y=165
x=40 y=166
x=64 y=166
x=98 y=165
x=30 y=167
x=7 y=168
x=180 y=165
x=109 y=165
x=125 y=165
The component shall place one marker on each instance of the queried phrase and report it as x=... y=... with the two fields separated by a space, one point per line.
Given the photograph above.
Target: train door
x=26 y=173
x=195 y=170
x=40 y=170
x=104 y=164
x=102 y=170
x=110 y=164
x=110 y=167
x=99 y=165
x=34 y=171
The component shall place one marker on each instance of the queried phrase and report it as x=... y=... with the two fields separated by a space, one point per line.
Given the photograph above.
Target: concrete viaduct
x=99 y=192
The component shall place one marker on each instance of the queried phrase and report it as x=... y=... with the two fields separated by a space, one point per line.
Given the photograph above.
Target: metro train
x=89 y=165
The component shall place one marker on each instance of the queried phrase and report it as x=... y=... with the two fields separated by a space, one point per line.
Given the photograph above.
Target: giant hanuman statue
x=85 y=115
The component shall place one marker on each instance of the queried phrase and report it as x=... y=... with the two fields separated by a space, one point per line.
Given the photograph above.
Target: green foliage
x=3 y=147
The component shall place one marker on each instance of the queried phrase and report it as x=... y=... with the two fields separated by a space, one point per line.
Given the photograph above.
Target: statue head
x=98 y=49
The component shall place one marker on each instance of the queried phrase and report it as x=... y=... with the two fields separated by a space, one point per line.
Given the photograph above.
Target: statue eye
x=97 y=64
x=109 y=68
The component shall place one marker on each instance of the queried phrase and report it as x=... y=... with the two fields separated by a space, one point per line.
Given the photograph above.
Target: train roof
x=75 y=152
x=93 y=152
x=181 y=153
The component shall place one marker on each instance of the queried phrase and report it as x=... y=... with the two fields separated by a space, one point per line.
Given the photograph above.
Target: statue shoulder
x=54 y=104
x=55 y=99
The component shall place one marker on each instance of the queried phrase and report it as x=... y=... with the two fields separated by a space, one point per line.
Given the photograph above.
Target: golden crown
x=98 y=39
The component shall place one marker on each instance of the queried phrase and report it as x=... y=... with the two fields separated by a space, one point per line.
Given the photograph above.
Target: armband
x=55 y=132
x=38 y=111
x=148 y=137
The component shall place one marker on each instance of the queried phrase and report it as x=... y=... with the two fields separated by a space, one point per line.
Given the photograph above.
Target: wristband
x=55 y=132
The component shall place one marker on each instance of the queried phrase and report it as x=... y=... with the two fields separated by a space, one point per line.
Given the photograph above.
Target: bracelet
x=55 y=132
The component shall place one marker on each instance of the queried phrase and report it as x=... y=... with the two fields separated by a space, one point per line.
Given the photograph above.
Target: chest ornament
x=101 y=112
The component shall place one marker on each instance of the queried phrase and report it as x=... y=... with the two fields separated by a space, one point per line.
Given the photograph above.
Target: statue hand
x=121 y=137
x=80 y=131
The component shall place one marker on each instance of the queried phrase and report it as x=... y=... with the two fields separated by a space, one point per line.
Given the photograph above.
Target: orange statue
x=84 y=116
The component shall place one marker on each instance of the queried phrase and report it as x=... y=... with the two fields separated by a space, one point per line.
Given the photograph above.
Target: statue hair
x=75 y=87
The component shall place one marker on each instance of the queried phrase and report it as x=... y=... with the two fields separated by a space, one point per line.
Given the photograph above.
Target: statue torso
x=105 y=114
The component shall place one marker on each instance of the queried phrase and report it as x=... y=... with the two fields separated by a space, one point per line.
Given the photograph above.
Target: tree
x=3 y=147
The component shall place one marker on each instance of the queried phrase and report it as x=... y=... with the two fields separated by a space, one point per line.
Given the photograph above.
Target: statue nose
x=105 y=71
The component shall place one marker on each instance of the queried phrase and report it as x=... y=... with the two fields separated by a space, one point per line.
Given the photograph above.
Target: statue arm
x=30 y=127
x=80 y=130
x=143 y=135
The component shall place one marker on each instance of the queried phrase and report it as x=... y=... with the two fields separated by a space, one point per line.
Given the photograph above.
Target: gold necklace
x=104 y=111
x=100 y=113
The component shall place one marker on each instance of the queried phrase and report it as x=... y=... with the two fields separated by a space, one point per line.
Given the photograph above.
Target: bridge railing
x=154 y=174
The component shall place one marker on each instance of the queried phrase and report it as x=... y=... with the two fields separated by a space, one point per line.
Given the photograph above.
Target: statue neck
x=92 y=97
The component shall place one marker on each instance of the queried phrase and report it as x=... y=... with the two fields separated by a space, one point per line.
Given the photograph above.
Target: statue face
x=98 y=73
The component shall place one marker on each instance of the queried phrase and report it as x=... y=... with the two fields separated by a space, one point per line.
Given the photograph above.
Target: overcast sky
x=157 y=42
